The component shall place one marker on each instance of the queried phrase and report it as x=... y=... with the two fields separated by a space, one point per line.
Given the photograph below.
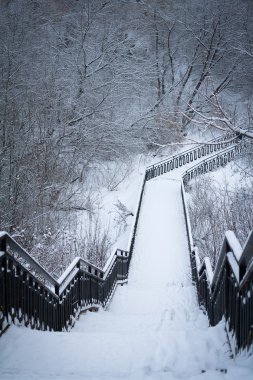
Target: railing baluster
x=24 y=297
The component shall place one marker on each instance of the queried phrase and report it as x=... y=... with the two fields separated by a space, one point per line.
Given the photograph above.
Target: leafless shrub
x=215 y=208
x=96 y=245
x=115 y=172
x=123 y=213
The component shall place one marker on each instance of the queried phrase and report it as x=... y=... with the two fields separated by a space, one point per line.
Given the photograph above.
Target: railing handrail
x=232 y=136
x=63 y=279
x=25 y=255
x=62 y=282
x=209 y=158
x=247 y=274
x=116 y=268
x=76 y=261
x=226 y=290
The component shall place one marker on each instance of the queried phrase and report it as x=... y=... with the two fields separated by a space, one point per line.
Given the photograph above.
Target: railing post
x=3 y=245
x=3 y=268
x=78 y=265
x=57 y=290
x=58 y=308
x=5 y=290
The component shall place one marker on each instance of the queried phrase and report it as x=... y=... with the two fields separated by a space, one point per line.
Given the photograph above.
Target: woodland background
x=88 y=86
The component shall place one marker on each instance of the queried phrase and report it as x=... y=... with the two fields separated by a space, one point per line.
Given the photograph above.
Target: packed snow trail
x=153 y=328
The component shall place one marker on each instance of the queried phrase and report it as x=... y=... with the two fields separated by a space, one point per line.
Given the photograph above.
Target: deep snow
x=153 y=328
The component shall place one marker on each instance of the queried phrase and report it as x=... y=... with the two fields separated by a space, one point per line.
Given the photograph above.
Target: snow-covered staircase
x=153 y=328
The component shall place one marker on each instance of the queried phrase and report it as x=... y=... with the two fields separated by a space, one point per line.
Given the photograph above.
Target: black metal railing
x=214 y=161
x=30 y=295
x=192 y=154
x=226 y=292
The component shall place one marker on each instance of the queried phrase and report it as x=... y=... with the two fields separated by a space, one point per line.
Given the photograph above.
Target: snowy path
x=153 y=328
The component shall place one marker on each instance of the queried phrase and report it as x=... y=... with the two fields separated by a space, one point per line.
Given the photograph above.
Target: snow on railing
x=191 y=155
x=227 y=294
x=228 y=290
x=29 y=294
x=81 y=285
x=226 y=138
x=136 y=216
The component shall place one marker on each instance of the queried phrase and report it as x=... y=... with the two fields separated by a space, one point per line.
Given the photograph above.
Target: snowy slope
x=153 y=328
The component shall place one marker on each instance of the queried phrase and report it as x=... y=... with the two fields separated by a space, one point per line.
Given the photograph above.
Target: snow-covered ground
x=153 y=328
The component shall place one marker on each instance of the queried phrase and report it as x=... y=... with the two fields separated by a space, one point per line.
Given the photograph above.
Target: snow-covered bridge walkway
x=153 y=328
